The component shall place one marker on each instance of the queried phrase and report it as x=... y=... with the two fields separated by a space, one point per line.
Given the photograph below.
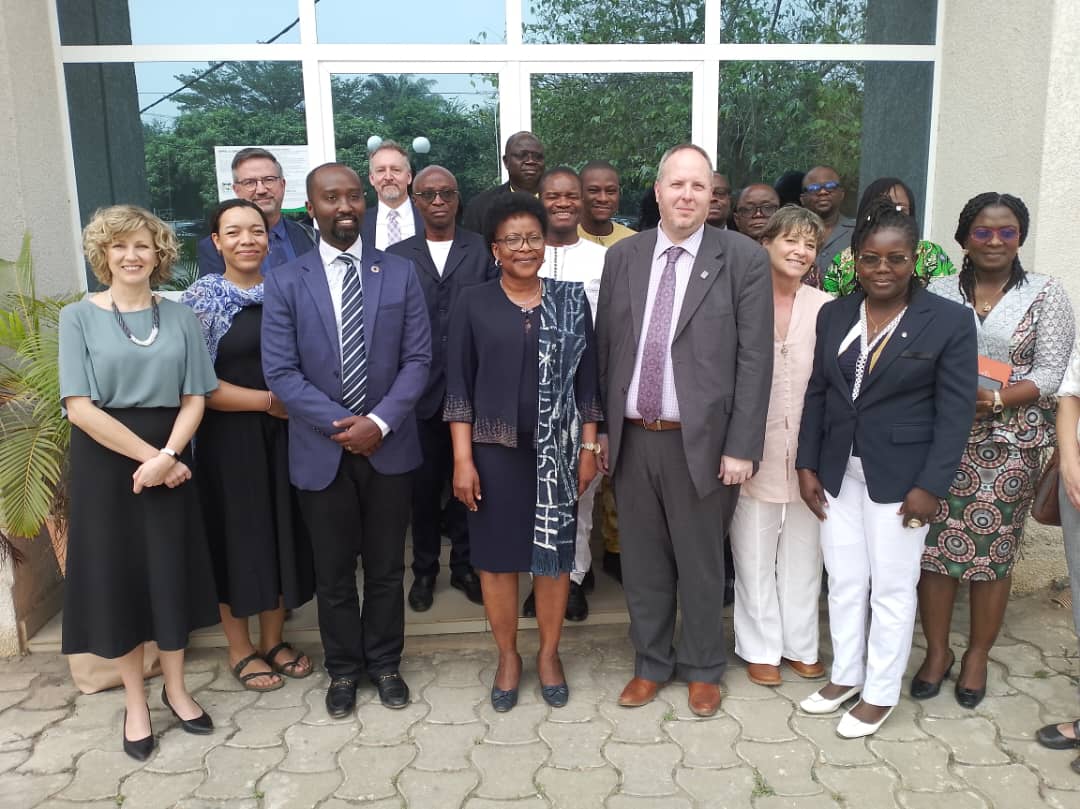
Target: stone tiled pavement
x=61 y=750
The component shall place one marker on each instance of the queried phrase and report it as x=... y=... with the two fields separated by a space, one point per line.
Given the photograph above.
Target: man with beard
x=396 y=218
x=754 y=208
x=600 y=202
x=823 y=194
x=524 y=161
x=719 y=202
x=346 y=345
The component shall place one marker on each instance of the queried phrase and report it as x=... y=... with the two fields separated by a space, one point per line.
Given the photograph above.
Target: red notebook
x=993 y=374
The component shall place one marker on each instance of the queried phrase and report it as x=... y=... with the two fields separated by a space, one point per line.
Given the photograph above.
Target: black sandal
x=245 y=679
x=287 y=668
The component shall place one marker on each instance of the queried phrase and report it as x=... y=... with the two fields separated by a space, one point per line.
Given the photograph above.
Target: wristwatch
x=999 y=406
x=166 y=451
x=591 y=446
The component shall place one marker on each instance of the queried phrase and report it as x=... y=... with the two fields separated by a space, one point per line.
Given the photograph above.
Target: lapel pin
x=903 y=334
x=704 y=273
x=374 y=267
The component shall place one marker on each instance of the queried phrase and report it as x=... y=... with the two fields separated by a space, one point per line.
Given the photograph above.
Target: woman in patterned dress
x=1026 y=321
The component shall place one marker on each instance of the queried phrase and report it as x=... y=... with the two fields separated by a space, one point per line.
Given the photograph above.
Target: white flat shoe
x=817 y=704
x=852 y=728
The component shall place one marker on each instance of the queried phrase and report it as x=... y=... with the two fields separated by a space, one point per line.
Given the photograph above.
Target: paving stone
x=1009 y=785
x=1059 y=799
x=442 y=790
x=717 y=789
x=1021 y=659
x=762 y=720
x=454 y=706
x=446 y=747
x=621 y=801
x=17 y=681
x=576 y=789
x=709 y=743
x=736 y=685
x=10 y=760
x=232 y=772
x=387 y=803
x=1016 y=717
x=154 y=790
x=859 y=786
x=797 y=690
x=382 y=726
x=98 y=775
x=507 y=771
x=60 y=803
x=535 y=802
x=576 y=746
x=922 y=764
x=314 y=749
x=51 y=693
x=518 y=726
x=936 y=800
x=822 y=801
x=21 y=790
x=458 y=671
x=178 y=751
x=22 y=724
x=832 y=749
x=221 y=705
x=205 y=803
x=296 y=790
x=1069 y=665
x=972 y=740
x=645 y=769
x=294 y=692
x=783 y=766
x=638 y=725
x=902 y=724
x=418 y=673
x=584 y=705
x=1055 y=689
x=1051 y=765
x=263 y=728
x=371 y=772
x=57 y=749
x=9 y=698
x=96 y=711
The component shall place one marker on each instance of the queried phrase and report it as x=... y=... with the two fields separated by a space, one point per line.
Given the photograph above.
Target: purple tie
x=651 y=378
x=393 y=228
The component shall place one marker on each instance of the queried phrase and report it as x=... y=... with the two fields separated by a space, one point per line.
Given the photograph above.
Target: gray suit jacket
x=721 y=353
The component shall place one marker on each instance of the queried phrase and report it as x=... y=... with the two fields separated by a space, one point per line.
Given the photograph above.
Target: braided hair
x=975 y=206
x=881 y=214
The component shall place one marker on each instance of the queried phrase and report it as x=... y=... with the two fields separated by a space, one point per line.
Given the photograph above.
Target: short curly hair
x=108 y=223
x=505 y=206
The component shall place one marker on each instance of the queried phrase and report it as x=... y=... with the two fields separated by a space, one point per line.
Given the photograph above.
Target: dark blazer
x=301 y=355
x=722 y=351
x=476 y=210
x=301 y=238
x=367 y=230
x=913 y=415
x=469 y=262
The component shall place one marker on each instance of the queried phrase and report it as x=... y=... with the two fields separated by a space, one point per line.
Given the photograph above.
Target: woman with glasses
x=931 y=260
x=1026 y=322
x=887 y=411
x=522 y=399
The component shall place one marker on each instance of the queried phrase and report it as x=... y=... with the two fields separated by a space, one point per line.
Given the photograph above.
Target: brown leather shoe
x=638 y=692
x=704 y=698
x=763 y=674
x=811 y=671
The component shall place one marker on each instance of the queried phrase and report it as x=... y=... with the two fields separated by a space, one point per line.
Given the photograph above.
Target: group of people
x=809 y=386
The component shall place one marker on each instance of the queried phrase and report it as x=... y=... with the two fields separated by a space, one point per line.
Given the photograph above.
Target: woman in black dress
x=523 y=401
x=262 y=558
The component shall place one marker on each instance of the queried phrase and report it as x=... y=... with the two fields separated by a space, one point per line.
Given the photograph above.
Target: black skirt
x=501 y=529
x=138 y=564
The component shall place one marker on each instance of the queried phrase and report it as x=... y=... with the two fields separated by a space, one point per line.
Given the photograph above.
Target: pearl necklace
x=127 y=331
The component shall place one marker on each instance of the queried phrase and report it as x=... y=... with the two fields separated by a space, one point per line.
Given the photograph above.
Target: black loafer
x=1050 y=736
x=577 y=607
x=969 y=697
x=341 y=696
x=422 y=593
x=528 y=608
x=201 y=725
x=140 y=749
x=393 y=692
x=469 y=584
x=924 y=689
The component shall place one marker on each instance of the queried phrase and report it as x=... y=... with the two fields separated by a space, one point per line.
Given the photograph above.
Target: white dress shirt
x=335 y=279
x=405 y=222
x=669 y=403
x=582 y=261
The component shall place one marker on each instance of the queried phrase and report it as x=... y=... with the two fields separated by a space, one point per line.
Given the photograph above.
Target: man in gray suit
x=684 y=332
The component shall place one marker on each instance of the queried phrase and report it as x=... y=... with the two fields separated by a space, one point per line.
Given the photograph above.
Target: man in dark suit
x=257 y=176
x=447 y=259
x=346 y=346
x=684 y=334
x=395 y=217
x=524 y=161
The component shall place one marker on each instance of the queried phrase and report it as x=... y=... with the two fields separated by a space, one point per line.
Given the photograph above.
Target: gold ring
x=914 y=522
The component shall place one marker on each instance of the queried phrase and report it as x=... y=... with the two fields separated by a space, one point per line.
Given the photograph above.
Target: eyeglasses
x=1008 y=233
x=527 y=154
x=814 y=188
x=515 y=241
x=753 y=210
x=447 y=195
x=871 y=261
x=251 y=182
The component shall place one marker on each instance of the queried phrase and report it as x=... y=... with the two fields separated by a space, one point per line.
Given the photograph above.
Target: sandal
x=289 y=667
x=245 y=679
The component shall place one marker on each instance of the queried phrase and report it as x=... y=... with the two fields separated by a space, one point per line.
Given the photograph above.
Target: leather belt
x=655 y=426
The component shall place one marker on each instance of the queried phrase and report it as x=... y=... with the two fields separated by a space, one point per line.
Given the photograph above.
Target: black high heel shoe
x=139 y=749
x=503 y=701
x=970 y=697
x=925 y=689
x=201 y=725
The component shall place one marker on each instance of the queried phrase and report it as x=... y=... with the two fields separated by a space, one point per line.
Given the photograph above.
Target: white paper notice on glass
x=294 y=165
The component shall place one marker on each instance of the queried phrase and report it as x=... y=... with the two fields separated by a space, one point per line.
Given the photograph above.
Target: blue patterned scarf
x=558 y=438
x=216 y=300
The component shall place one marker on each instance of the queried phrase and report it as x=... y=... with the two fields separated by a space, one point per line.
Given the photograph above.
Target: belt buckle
x=654 y=429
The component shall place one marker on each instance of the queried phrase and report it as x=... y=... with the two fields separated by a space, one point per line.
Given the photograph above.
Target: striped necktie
x=353 y=347
x=393 y=228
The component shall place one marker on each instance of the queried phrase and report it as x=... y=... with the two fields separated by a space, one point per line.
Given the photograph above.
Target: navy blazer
x=210 y=260
x=476 y=210
x=301 y=355
x=371 y=215
x=912 y=418
x=469 y=262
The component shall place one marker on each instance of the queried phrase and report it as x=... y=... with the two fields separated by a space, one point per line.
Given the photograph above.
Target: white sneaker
x=817 y=704
x=852 y=728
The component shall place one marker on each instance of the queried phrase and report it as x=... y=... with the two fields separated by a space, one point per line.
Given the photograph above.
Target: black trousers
x=362 y=513
x=428 y=511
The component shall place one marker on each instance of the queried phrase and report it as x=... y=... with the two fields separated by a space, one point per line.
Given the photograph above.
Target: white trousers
x=873 y=566
x=582 y=551
x=777 y=554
